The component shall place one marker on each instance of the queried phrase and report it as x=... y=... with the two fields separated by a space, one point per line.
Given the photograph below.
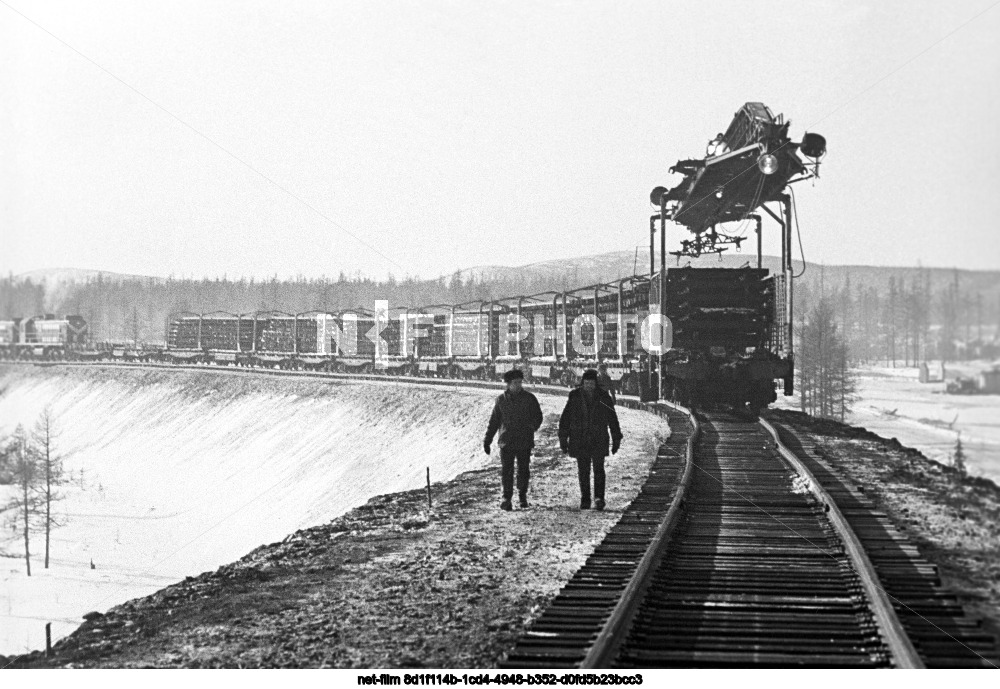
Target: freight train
x=694 y=335
x=723 y=320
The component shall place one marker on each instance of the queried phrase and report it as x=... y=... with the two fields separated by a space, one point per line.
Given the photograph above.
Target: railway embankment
x=393 y=583
x=375 y=579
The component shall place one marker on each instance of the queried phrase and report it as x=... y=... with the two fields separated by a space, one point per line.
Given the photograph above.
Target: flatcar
x=720 y=319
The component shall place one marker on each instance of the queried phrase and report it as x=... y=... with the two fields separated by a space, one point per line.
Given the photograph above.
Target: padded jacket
x=516 y=417
x=585 y=427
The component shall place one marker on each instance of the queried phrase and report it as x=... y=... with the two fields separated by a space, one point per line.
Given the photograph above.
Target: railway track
x=739 y=551
x=737 y=554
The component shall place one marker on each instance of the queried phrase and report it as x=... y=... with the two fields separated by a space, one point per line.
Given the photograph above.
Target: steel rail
x=609 y=639
x=890 y=627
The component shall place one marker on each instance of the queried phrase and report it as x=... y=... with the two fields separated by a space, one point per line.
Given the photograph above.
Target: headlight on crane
x=768 y=164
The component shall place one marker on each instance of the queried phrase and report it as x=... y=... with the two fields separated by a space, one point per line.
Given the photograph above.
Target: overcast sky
x=441 y=135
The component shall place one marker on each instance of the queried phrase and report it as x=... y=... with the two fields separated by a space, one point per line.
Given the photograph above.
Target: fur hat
x=513 y=374
x=589 y=374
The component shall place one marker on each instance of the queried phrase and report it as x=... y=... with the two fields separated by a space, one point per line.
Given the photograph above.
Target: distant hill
x=59 y=282
x=586 y=270
x=60 y=276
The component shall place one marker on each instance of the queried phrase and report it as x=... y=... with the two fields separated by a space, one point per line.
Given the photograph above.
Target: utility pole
x=652 y=278
x=979 y=317
x=135 y=326
x=789 y=293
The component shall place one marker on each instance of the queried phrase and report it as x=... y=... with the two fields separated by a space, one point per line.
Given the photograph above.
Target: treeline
x=20 y=298
x=884 y=315
x=838 y=327
x=140 y=309
x=912 y=319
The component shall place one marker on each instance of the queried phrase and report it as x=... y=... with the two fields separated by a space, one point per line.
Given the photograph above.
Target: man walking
x=604 y=381
x=516 y=415
x=583 y=432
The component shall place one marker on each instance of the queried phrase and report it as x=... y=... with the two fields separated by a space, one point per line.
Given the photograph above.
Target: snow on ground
x=176 y=473
x=894 y=404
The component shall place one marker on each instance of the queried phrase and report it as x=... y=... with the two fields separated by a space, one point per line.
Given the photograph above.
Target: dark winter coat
x=517 y=417
x=605 y=383
x=584 y=428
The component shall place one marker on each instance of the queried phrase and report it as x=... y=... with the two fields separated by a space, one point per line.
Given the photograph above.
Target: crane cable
x=741 y=230
x=798 y=232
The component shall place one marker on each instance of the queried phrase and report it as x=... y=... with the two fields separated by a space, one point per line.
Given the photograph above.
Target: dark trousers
x=583 y=464
x=507 y=458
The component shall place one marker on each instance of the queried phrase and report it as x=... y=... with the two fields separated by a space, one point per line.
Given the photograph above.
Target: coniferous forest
x=892 y=316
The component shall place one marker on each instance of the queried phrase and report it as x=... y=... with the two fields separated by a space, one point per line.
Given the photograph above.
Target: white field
x=894 y=404
x=186 y=471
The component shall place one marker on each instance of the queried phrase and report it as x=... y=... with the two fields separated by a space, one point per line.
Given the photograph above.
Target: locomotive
x=45 y=337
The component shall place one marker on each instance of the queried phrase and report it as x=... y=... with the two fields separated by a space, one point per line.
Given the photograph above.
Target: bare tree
x=949 y=321
x=24 y=506
x=845 y=385
x=827 y=380
x=890 y=319
x=50 y=470
x=135 y=325
x=979 y=317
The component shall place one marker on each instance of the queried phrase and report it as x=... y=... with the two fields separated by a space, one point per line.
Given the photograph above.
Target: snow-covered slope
x=892 y=403
x=177 y=473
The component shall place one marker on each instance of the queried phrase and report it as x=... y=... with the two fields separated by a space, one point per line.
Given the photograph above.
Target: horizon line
x=416 y=277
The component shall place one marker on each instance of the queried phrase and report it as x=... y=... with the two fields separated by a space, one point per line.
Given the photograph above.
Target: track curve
x=761 y=569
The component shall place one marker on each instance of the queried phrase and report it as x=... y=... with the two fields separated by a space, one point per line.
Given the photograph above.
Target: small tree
x=50 y=470
x=845 y=386
x=958 y=459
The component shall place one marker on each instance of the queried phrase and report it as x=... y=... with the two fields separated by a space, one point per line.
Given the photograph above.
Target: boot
x=505 y=505
x=599 y=504
x=584 y=503
x=524 y=500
